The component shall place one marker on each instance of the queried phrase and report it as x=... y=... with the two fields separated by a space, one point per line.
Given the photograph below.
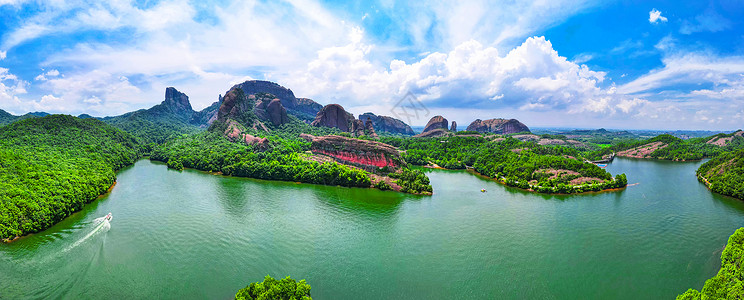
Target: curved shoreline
x=536 y=192
x=108 y=191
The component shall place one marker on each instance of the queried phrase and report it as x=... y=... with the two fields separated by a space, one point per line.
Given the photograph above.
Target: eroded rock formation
x=437 y=122
x=453 y=128
x=303 y=108
x=387 y=124
x=334 y=115
x=499 y=126
x=368 y=155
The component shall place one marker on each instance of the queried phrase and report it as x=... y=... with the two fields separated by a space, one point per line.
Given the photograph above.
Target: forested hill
x=724 y=174
x=52 y=166
x=155 y=125
x=668 y=147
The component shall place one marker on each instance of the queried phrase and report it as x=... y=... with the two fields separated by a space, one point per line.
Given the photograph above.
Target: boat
x=483 y=190
x=602 y=165
x=108 y=217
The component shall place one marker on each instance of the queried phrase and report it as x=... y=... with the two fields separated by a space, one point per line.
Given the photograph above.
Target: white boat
x=108 y=217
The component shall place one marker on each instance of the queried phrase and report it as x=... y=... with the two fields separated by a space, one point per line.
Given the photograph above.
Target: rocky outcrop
x=437 y=122
x=368 y=155
x=357 y=128
x=454 y=126
x=233 y=133
x=234 y=105
x=335 y=116
x=440 y=132
x=387 y=124
x=369 y=128
x=499 y=126
x=178 y=102
x=302 y=108
x=270 y=109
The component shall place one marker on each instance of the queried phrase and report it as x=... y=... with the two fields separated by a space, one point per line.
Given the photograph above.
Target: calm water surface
x=194 y=235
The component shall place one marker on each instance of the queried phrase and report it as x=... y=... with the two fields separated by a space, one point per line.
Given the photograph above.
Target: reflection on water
x=195 y=235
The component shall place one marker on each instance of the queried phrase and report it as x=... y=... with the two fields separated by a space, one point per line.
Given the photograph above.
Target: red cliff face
x=361 y=153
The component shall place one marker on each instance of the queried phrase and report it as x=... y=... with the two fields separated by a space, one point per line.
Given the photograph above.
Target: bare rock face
x=357 y=128
x=437 y=122
x=454 y=126
x=234 y=134
x=334 y=115
x=177 y=101
x=368 y=155
x=271 y=109
x=369 y=128
x=387 y=124
x=439 y=132
x=302 y=108
x=234 y=104
x=499 y=126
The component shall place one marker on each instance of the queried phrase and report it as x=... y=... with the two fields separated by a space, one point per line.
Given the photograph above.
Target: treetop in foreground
x=270 y=288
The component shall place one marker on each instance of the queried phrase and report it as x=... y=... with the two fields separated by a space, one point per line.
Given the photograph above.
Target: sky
x=549 y=63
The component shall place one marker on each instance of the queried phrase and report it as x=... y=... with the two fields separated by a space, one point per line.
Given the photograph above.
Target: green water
x=195 y=235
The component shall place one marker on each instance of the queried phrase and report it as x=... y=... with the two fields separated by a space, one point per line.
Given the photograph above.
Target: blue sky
x=612 y=64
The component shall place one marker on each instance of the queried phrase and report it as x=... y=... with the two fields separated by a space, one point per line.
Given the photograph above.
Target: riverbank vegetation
x=729 y=282
x=527 y=165
x=283 y=161
x=51 y=166
x=270 y=288
x=724 y=174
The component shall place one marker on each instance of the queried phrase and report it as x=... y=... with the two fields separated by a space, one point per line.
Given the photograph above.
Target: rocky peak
x=437 y=122
x=234 y=104
x=269 y=108
x=335 y=116
x=454 y=126
x=368 y=155
x=302 y=108
x=369 y=129
x=177 y=101
x=387 y=124
x=500 y=126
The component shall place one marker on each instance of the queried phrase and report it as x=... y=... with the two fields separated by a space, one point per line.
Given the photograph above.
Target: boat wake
x=101 y=224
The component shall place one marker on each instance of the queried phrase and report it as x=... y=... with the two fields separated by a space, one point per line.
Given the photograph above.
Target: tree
x=270 y=288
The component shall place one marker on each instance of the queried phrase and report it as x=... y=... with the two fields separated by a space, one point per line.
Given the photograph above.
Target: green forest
x=724 y=174
x=51 y=166
x=270 y=288
x=729 y=282
x=527 y=165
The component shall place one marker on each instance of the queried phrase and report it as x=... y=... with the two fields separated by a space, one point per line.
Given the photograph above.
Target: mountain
x=387 y=124
x=302 y=108
x=7 y=118
x=437 y=122
x=160 y=122
x=335 y=116
x=499 y=126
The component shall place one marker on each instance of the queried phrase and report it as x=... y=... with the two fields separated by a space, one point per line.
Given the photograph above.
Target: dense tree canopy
x=729 y=282
x=51 y=166
x=724 y=174
x=272 y=289
x=545 y=169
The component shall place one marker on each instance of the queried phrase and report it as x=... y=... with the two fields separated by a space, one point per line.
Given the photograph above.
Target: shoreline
x=219 y=173
x=536 y=192
x=18 y=237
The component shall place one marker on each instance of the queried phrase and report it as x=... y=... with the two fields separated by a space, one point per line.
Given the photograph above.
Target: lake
x=192 y=234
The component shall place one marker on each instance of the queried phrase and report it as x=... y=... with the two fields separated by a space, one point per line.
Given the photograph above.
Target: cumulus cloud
x=654 y=16
x=530 y=77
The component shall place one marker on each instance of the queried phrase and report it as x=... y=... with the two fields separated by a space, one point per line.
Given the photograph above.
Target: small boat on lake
x=602 y=165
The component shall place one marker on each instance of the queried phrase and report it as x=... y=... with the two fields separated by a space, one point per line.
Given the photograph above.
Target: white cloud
x=531 y=77
x=3 y=55
x=47 y=75
x=654 y=16
x=709 y=20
